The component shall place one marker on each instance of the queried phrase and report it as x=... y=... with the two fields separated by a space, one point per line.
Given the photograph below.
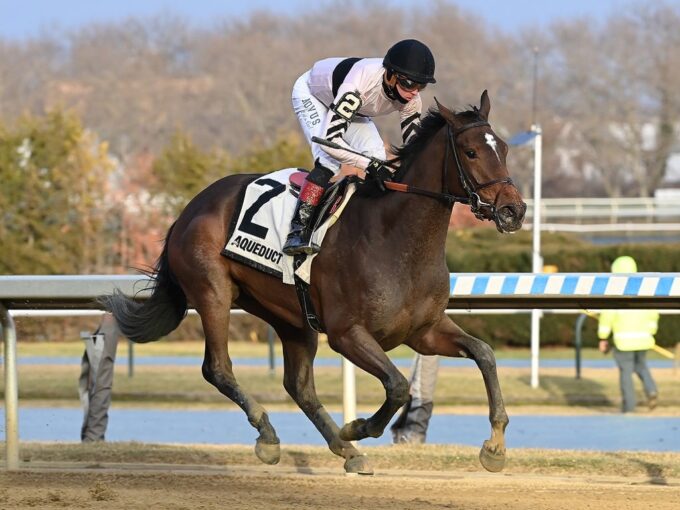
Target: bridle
x=471 y=188
x=478 y=206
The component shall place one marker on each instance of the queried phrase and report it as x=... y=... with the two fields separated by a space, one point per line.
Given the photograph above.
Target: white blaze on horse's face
x=491 y=142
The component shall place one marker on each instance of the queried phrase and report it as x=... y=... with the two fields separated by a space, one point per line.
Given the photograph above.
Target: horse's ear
x=446 y=113
x=484 y=105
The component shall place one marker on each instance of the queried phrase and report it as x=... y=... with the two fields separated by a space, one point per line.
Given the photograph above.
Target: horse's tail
x=160 y=314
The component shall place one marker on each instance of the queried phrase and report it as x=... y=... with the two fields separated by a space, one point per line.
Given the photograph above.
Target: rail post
x=9 y=334
x=272 y=357
x=131 y=358
x=578 y=342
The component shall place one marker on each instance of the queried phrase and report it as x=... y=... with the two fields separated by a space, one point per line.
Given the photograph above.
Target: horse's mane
x=430 y=124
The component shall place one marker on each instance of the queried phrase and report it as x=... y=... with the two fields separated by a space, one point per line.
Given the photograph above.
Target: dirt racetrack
x=176 y=487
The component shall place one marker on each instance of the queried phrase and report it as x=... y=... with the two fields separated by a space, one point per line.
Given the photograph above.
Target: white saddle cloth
x=262 y=224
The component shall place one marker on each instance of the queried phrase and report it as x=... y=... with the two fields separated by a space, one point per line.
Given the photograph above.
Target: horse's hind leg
x=447 y=339
x=299 y=349
x=213 y=306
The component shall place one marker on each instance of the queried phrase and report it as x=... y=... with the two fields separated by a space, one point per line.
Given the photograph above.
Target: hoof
x=354 y=430
x=269 y=453
x=491 y=461
x=358 y=464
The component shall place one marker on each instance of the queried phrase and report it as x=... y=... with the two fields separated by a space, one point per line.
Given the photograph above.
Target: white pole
x=537 y=259
x=349 y=393
x=11 y=391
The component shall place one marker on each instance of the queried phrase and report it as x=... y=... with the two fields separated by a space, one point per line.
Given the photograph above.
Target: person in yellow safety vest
x=633 y=333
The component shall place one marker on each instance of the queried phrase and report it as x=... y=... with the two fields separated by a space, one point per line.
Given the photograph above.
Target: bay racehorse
x=380 y=280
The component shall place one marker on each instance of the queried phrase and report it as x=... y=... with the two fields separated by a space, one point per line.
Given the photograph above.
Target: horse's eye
x=471 y=154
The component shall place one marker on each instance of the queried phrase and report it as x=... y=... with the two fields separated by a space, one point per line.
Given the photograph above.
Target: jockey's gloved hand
x=378 y=173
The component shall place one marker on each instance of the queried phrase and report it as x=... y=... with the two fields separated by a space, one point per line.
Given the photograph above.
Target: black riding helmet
x=412 y=59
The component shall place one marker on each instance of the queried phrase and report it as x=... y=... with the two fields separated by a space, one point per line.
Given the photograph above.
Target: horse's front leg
x=447 y=339
x=359 y=347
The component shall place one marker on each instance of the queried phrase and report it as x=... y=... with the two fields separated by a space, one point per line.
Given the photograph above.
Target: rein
x=471 y=188
x=444 y=197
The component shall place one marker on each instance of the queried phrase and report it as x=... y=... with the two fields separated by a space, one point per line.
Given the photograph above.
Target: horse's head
x=476 y=158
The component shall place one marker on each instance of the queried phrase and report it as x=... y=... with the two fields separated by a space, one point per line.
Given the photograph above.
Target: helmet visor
x=409 y=85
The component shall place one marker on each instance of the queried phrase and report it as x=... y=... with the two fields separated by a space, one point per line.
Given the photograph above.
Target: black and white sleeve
x=410 y=118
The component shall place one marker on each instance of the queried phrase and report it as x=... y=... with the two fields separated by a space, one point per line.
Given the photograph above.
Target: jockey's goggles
x=409 y=85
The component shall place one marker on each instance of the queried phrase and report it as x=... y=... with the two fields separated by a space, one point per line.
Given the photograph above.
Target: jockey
x=335 y=100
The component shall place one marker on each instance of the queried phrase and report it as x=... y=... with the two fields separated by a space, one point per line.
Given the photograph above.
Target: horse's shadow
x=573 y=392
x=300 y=461
x=654 y=472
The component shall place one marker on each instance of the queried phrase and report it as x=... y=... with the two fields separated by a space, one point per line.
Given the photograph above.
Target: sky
x=20 y=19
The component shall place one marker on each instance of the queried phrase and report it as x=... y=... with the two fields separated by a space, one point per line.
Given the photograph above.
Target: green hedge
x=486 y=251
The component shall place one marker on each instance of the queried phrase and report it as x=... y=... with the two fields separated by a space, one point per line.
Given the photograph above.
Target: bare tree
x=609 y=84
x=659 y=64
x=607 y=95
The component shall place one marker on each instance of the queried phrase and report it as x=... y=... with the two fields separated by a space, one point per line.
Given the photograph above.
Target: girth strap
x=302 y=290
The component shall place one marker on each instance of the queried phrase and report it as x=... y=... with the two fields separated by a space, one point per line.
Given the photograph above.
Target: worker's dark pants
x=96 y=379
x=629 y=362
x=411 y=426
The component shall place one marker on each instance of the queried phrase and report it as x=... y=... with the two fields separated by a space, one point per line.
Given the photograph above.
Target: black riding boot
x=298 y=240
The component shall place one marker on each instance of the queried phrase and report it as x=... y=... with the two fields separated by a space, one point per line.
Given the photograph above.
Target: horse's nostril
x=508 y=211
x=512 y=213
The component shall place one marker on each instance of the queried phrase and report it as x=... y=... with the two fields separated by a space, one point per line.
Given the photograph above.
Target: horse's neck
x=422 y=219
x=426 y=170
